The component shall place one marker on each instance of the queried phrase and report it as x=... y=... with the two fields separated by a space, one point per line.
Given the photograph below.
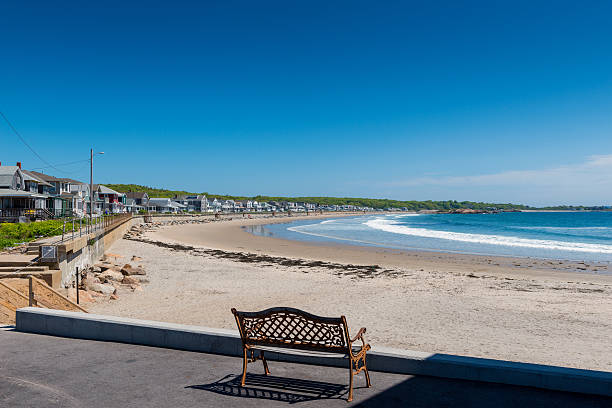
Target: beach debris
x=355 y=271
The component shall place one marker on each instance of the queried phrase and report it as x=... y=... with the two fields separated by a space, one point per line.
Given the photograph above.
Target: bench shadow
x=269 y=387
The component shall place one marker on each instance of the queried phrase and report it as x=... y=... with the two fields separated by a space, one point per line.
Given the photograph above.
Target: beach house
x=136 y=201
x=19 y=198
x=79 y=195
x=193 y=203
x=216 y=206
x=140 y=198
x=228 y=206
x=59 y=200
x=109 y=200
x=165 y=205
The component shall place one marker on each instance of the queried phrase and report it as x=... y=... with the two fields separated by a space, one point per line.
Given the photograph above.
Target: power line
x=26 y=143
x=61 y=164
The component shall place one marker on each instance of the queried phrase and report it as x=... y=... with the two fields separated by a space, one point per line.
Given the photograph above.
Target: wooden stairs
x=16 y=293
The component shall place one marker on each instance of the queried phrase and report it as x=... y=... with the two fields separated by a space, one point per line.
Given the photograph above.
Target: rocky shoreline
x=104 y=280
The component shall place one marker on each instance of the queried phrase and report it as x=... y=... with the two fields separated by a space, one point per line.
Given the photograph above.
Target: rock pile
x=137 y=231
x=105 y=278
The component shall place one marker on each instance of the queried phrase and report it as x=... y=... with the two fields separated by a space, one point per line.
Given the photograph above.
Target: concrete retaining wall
x=227 y=342
x=84 y=251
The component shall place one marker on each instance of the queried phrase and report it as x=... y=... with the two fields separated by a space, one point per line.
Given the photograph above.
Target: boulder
x=85 y=296
x=90 y=280
x=114 y=296
x=105 y=289
x=136 y=258
x=130 y=270
x=104 y=266
x=130 y=280
x=110 y=275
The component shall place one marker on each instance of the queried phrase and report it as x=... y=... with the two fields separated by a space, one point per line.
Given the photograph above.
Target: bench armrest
x=359 y=335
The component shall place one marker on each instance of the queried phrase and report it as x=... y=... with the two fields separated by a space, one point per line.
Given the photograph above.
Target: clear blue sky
x=493 y=101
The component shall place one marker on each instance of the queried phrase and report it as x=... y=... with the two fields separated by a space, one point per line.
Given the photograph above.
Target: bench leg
x=265 y=363
x=244 y=366
x=351 y=375
x=367 y=373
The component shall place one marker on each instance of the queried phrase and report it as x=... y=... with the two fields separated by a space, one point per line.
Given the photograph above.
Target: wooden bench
x=287 y=330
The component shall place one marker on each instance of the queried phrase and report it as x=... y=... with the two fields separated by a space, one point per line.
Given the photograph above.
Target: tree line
x=377 y=203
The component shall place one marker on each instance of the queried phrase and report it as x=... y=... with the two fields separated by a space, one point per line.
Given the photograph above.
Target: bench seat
x=306 y=353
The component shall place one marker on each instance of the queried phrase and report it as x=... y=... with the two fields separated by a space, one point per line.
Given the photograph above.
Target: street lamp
x=91 y=192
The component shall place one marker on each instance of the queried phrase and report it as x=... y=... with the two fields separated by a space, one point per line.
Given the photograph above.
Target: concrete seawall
x=85 y=250
x=227 y=342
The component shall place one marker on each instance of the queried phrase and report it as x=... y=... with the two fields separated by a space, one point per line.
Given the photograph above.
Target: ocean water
x=585 y=236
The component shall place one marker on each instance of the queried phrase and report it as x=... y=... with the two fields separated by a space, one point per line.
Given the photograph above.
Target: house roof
x=160 y=200
x=28 y=175
x=105 y=190
x=9 y=192
x=8 y=170
x=43 y=176
x=136 y=194
x=166 y=202
x=71 y=181
x=6 y=175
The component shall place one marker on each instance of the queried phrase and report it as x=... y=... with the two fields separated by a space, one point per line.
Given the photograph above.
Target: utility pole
x=91 y=192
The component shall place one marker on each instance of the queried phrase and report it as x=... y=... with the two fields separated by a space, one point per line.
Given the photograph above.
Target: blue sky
x=488 y=101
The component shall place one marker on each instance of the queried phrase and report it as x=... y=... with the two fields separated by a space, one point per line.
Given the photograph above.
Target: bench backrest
x=293 y=328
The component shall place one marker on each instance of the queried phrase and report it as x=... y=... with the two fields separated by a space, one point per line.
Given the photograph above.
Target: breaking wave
x=388 y=225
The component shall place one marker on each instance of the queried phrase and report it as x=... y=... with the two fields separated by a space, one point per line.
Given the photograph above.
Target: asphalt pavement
x=47 y=371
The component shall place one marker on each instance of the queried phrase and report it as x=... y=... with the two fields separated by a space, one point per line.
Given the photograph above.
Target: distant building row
x=138 y=201
x=34 y=195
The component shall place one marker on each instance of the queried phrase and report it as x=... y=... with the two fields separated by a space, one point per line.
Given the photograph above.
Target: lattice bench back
x=293 y=328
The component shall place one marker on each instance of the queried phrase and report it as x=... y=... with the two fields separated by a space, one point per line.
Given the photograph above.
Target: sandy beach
x=519 y=309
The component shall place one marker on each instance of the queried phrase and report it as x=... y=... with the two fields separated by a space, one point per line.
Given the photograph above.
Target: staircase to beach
x=22 y=266
x=16 y=293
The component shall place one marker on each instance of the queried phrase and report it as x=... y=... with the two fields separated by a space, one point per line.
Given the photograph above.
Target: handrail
x=44 y=285
x=86 y=226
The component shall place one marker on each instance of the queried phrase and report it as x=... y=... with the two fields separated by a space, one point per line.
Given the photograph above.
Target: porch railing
x=30 y=213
